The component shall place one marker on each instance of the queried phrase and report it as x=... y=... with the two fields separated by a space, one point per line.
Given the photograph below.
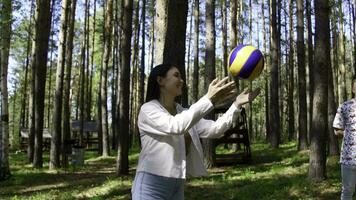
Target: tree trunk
x=188 y=78
x=209 y=72
x=170 y=25
x=291 y=128
x=88 y=74
x=233 y=30
x=142 y=67
x=66 y=134
x=122 y=166
x=302 y=117
x=105 y=64
x=335 y=62
x=57 y=114
x=354 y=32
x=42 y=32
x=274 y=97
x=317 y=162
x=114 y=81
x=196 y=52
x=341 y=55
x=224 y=37
x=23 y=123
x=333 y=141
x=266 y=72
x=310 y=62
x=5 y=32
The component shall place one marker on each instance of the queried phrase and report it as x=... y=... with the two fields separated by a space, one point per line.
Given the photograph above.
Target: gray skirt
x=147 y=186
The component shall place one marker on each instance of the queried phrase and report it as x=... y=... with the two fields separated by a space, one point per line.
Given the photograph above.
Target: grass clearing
x=272 y=174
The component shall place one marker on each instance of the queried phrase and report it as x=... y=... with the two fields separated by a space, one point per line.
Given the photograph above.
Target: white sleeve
x=215 y=129
x=153 y=120
x=338 y=122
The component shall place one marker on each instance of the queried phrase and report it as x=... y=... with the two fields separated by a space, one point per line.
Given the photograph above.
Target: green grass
x=272 y=174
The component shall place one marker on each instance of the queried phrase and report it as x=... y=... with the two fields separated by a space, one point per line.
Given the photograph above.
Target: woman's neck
x=167 y=102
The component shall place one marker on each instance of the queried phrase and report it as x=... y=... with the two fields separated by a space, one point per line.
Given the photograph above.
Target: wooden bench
x=237 y=135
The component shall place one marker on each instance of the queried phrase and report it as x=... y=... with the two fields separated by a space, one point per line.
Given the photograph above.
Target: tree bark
x=66 y=134
x=291 y=128
x=302 y=117
x=266 y=72
x=5 y=32
x=105 y=63
x=310 y=62
x=274 y=96
x=122 y=166
x=196 y=52
x=210 y=72
x=170 y=26
x=57 y=114
x=42 y=32
x=341 y=55
x=317 y=161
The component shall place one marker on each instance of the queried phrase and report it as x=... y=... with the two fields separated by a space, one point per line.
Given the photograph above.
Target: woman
x=345 y=126
x=170 y=134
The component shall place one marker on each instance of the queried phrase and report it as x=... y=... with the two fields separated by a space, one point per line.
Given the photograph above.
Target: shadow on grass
x=278 y=187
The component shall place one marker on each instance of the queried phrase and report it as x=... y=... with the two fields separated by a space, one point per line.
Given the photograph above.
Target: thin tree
x=224 y=36
x=341 y=55
x=310 y=60
x=39 y=64
x=68 y=77
x=104 y=79
x=353 y=6
x=122 y=166
x=334 y=49
x=317 y=161
x=302 y=117
x=264 y=41
x=332 y=139
x=274 y=96
x=58 y=103
x=234 y=16
x=188 y=84
x=5 y=32
x=210 y=73
x=23 y=123
x=142 y=66
x=114 y=81
x=291 y=128
x=196 y=52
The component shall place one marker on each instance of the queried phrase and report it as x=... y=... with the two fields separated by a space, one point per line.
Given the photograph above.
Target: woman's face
x=172 y=83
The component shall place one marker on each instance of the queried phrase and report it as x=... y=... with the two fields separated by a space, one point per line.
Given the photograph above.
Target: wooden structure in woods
x=24 y=138
x=90 y=131
x=90 y=137
x=236 y=135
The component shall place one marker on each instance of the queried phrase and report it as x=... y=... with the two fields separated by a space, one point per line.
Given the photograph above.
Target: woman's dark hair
x=153 y=90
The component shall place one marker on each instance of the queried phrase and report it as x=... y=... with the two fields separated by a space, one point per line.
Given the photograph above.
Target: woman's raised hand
x=246 y=97
x=220 y=89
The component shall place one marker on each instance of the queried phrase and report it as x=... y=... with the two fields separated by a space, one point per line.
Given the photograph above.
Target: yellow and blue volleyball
x=245 y=62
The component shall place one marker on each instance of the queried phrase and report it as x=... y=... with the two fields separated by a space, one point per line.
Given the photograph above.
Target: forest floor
x=272 y=174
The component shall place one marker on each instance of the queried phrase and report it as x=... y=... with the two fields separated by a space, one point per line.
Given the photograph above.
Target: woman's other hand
x=220 y=89
x=246 y=97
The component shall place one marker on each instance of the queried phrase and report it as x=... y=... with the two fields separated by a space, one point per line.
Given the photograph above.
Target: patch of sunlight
x=100 y=158
x=104 y=189
x=43 y=187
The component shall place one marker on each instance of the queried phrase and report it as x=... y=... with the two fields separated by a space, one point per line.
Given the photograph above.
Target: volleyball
x=245 y=62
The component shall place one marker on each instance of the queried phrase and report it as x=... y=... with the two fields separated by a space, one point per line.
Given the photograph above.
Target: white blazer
x=162 y=137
